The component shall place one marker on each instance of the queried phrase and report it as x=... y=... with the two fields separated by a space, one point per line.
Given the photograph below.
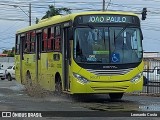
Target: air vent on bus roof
x=54 y=17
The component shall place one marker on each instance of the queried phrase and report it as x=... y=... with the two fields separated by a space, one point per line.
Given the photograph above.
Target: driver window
x=135 y=46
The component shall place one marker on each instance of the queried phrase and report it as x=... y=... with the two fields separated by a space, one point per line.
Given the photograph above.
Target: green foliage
x=5 y=52
x=37 y=20
x=56 y=11
x=9 y=52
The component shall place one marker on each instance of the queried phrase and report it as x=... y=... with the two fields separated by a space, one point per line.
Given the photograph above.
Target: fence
x=151 y=76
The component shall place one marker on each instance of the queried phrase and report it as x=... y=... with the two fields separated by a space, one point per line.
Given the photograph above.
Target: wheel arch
x=28 y=73
x=57 y=76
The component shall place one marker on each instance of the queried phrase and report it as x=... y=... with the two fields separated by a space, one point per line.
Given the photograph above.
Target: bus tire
x=58 y=86
x=28 y=79
x=115 y=96
x=9 y=77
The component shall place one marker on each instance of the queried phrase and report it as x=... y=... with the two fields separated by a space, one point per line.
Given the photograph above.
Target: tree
x=10 y=53
x=5 y=52
x=37 y=20
x=56 y=11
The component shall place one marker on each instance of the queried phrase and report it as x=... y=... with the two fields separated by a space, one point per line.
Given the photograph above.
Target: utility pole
x=29 y=14
x=54 y=4
x=103 y=9
x=108 y=4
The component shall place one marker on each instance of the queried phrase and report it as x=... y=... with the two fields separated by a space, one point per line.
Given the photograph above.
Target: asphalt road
x=13 y=97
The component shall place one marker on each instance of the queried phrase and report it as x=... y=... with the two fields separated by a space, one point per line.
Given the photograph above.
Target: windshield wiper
x=122 y=30
x=91 y=26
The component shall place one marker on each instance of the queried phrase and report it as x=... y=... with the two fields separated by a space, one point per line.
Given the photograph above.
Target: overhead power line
x=14 y=19
x=13 y=5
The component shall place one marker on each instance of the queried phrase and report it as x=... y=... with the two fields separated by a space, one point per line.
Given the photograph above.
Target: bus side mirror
x=141 y=35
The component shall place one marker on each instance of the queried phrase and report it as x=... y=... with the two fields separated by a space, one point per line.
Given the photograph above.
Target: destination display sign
x=107 y=19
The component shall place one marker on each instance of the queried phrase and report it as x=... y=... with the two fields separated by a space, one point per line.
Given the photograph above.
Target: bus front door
x=22 y=42
x=66 y=58
x=38 y=53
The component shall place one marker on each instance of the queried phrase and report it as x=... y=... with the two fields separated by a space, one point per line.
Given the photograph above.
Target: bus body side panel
x=44 y=78
x=29 y=65
x=49 y=68
x=51 y=71
x=58 y=66
x=17 y=68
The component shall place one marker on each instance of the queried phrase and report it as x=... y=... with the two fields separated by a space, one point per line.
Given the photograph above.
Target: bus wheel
x=115 y=96
x=58 y=86
x=28 y=79
x=9 y=77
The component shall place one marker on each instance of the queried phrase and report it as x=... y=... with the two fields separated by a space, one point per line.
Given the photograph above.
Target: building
x=3 y=55
x=151 y=60
x=6 y=62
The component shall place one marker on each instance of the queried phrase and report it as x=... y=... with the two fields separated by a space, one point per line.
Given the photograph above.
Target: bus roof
x=60 y=18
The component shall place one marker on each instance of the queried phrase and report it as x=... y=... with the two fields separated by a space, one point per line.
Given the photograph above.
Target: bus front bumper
x=106 y=87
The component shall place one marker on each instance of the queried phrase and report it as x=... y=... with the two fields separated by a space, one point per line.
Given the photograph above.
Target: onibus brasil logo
x=19 y=114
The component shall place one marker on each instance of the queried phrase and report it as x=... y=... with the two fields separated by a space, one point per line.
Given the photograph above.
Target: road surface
x=13 y=97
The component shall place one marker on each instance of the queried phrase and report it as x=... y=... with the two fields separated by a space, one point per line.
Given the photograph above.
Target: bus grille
x=109 y=89
x=110 y=72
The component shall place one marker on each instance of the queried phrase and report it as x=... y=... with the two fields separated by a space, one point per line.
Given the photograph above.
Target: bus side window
x=50 y=39
x=28 y=48
x=57 y=44
x=25 y=47
x=17 y=44
x=32 y=43
x=25 y=43
x=44 y=40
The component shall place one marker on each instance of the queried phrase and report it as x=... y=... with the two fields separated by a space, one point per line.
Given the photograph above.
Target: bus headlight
x=80 y=78
x=136 y=78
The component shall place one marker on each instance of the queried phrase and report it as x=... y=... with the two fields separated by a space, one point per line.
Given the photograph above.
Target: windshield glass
x=114 y=45
x=10 y=67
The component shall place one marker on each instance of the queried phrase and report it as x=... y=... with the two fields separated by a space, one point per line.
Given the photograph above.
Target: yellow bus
x=82 y=53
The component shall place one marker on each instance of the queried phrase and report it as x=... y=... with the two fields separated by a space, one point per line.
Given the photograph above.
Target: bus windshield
x=104 y=45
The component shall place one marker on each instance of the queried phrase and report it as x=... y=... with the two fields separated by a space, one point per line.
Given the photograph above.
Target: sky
x=14 y=16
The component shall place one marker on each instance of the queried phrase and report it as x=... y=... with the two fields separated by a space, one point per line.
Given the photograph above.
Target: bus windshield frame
x=111 y=34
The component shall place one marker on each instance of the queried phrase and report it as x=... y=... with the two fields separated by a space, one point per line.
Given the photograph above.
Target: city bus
x=97 y=52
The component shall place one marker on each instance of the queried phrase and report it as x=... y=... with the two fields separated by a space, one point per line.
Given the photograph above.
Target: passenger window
x=27 y=44
x=17 y=44
x=50 y=39
x=57 y=30
x=44 y=41
x=57 y=42
x=32 y=43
